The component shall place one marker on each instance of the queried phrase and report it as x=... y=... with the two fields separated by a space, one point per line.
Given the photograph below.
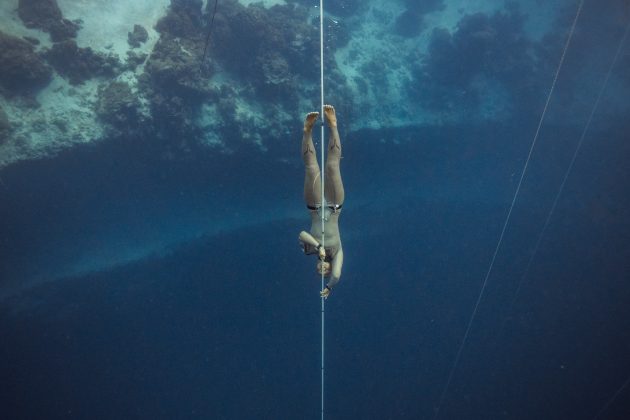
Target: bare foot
x=309 y=122
x=329 y=112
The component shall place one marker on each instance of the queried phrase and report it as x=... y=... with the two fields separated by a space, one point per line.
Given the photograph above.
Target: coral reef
x=270 y=48
x=32 y=40
x=183 y=19
x=266 y=56
x=341 y=8
x=135 y=59
x=172 y=72
x=46 y=15
x=138 y=36
x=411 y=22
x=173 y=66
x=65 y=118
x=346 y=8
x=80 y=64
x=487 y=54
x=421 y=62
x=173 y=84
x=117 y=105
x=22 y=71
x=5 y=126
x=276 y=79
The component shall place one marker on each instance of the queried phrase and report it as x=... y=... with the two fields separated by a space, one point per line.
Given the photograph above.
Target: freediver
x=331 y=254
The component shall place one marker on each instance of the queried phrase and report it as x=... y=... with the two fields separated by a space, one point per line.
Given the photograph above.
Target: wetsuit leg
x=312 y=179
x=333 y=186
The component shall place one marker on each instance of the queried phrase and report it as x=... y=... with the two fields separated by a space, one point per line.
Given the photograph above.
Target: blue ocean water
x=154 y=274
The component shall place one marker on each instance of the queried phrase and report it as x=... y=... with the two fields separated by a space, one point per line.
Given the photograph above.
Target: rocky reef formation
x=5 y=126
x=263 y=55
x=183 y=20
x=46 y=15
x=341 y=8
x=386 y=64
x=22 y=70
x=117 y=105
x=80 y=64
x=411 y=21
x=134 y=59
x=138 y=36
x=268 y=63
x=172 y=79
x=174 y=67
x=487 y=58
x=270 y=48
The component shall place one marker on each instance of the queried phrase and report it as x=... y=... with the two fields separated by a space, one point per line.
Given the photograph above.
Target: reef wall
x=74 y=74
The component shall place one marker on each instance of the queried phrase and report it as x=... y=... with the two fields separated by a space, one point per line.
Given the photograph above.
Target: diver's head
x=323 y=268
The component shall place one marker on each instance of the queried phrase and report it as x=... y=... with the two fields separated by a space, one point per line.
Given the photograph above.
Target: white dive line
x=570 y=168
x=507 y=220
x=612 y=399
x=322 y=210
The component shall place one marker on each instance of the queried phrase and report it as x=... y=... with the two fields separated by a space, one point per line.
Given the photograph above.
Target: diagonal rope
x=612 y=399
x=570 y=168
x=507 y=220
x=322 y=212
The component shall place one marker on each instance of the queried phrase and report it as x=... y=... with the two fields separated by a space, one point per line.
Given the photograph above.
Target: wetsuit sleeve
x=307 y=238
x=337 y=262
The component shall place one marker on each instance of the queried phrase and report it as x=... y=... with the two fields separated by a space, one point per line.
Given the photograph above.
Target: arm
x=335 y=275
x=337 y=263
x=307 y=238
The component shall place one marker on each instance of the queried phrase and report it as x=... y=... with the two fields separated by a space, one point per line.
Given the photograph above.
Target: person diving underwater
x=331 y=254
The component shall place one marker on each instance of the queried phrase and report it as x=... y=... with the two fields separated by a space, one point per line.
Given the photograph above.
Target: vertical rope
x=322 y=212
x=507 y=219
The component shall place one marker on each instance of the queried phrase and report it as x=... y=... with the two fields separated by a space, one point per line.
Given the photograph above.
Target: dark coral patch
x=5 y=126
x=117 y=105
x=22 y=71
x=173 y=82
x=135 y=59
x=270 y=48
x=80 y=64
x=46 y=15
x=484 y=48
x=182 y=20
x=341 y=8
x=411 y=22
x=174 y=66
x=138 y=36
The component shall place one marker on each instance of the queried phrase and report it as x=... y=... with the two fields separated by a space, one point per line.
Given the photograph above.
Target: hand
x=325 y=293
x=322 y=253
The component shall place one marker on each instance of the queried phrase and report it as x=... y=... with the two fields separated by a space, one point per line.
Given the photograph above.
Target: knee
x=332 y=166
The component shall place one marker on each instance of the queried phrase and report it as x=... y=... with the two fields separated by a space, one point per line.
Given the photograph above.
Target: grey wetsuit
x=334 y=197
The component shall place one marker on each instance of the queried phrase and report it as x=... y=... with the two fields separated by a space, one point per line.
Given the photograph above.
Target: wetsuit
x=334 y=196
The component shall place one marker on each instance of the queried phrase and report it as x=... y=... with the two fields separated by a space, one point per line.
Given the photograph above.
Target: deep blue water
x=227 y=325
x=139 y=285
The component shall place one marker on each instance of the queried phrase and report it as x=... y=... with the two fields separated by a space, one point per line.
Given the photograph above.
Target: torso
x=332 y=241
